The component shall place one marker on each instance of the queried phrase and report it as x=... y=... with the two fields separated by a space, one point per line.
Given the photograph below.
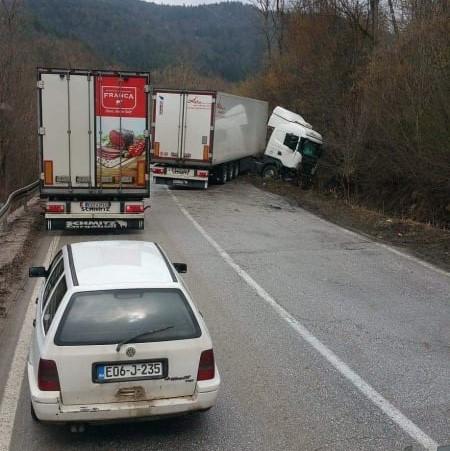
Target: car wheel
x=269 y=171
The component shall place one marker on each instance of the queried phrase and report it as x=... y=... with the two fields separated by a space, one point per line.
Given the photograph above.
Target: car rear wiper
x=141 y=334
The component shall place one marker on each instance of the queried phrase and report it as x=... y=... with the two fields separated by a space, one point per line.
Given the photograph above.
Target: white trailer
x=202 y=136
x=94 y=148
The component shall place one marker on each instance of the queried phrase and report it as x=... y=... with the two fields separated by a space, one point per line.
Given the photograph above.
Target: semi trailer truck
x=94 y=148
x=204 y=136
x=201 y=137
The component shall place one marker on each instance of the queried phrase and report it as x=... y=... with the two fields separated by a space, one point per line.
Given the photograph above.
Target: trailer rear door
x=168 y=110
x=67 y=114
x=182 y=125
x=199 y=117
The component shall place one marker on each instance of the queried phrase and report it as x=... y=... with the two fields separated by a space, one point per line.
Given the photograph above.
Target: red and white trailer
x=202 y=136
x=94 y=147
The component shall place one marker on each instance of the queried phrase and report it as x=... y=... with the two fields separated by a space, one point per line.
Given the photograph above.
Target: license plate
x=111 y=372
x=95 y=206
x=181 y=171
x=180 y=182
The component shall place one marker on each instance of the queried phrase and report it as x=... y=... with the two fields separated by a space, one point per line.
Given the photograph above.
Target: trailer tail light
x=206 y=367
x=201 y=173
x=157 y=170
x=206 y=153
x=55 y=208
x=141 y=173
x=134 y=208
x=48 y=379
x=48 y=172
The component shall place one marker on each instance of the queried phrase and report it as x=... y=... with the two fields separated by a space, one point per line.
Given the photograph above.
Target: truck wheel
x=230 y=170
x=269 y=171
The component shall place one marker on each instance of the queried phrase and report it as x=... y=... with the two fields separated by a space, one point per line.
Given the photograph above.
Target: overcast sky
x=187 y=2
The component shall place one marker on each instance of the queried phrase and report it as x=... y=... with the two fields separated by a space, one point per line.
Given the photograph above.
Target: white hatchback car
x=118 y=337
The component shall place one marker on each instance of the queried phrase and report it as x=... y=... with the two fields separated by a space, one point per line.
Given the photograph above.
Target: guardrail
x=16 y=199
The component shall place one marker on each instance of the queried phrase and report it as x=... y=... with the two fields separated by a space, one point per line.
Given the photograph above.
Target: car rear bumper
x=94 y=413
x=49 y=408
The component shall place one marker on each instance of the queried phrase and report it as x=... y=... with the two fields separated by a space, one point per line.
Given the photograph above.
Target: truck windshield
x=311 y=149
x=109 y=317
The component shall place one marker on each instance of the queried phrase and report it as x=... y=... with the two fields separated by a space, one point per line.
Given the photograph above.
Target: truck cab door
x=285 y=148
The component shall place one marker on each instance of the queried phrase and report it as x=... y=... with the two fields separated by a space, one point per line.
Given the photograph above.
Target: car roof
x=119 y=262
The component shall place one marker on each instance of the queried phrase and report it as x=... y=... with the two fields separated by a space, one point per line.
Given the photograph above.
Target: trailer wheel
x=236 y=169
x=222 y=174
x=269 y=171
x=230 y=169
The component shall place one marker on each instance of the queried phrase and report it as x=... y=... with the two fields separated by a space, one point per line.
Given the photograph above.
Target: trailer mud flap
x=95 y=224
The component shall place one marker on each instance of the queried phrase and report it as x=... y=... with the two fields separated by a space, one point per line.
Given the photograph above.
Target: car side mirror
x=37 y=271
x=180 y=267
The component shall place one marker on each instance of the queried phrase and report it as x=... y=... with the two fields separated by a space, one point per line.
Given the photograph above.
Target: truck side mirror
x=37 y=271
x=180 y=267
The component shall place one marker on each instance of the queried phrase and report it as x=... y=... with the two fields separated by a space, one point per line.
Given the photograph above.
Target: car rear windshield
x=109 y=317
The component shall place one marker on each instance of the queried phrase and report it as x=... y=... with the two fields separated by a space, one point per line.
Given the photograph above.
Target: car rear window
x=109 y=317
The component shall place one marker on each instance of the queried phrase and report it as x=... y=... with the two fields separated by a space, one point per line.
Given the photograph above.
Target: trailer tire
x=230 y=170
x=270 y=171
x=222 y=174
x=235 y=169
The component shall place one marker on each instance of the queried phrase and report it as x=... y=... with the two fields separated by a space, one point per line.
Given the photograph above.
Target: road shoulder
x=424 y=241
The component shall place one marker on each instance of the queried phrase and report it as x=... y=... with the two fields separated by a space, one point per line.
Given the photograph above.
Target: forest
x=372 y=76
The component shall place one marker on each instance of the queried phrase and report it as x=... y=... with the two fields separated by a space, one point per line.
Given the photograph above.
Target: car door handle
x=34 y=322
x=279 y=152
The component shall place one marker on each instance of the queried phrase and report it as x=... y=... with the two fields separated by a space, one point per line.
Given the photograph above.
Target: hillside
x=220 y=39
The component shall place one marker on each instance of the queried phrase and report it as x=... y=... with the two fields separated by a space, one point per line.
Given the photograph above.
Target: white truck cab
x=293 y=146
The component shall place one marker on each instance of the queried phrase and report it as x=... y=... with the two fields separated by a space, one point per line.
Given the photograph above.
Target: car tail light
x=55 y=208
x=206 y=368
x=134 y=208
x=48 y=172
x=201 y=173
x=48 y=379
x=157 y=170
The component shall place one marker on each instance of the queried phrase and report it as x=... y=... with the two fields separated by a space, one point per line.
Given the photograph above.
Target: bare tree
x=265 y=8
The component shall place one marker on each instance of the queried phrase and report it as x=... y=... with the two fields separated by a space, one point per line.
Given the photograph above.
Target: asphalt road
x=285 y=294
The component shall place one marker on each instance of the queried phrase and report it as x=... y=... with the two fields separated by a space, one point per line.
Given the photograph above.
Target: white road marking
x=13 y=387
x=367 y=390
